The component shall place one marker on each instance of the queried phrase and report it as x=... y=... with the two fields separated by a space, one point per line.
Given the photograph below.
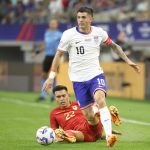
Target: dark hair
x=86 y=9
x=59 y=88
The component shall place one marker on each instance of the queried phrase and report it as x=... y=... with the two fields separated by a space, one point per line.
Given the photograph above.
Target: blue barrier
x=136 y=31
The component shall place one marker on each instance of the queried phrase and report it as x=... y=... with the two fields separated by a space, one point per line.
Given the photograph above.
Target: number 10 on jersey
x=80 y=50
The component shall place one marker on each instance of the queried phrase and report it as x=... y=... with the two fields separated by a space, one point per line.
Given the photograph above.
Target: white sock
x=106 y=120
x=95 y=109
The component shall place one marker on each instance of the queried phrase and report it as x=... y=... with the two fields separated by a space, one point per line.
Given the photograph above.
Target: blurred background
x=24 y=22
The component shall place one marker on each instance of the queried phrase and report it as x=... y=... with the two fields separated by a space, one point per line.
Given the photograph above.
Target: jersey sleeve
x=53 y=122
x=105 y=38
x=64 y=42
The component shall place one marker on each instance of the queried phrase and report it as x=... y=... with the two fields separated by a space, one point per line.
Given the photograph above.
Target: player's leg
x=104 y=112
x=85 y=101
x=90 y=115
x=50 y=60
x=105 y=117
x=45 y=70
x=115 y=118
x=92 y=132
x=77 y=134
x=98 y=90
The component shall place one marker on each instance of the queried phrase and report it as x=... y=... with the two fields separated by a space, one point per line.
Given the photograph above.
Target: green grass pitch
x=21 y=116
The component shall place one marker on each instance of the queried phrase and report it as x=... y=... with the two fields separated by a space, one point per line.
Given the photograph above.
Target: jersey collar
x=82 y=32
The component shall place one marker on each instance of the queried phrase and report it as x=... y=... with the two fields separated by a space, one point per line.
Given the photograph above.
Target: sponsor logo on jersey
x=78 y=42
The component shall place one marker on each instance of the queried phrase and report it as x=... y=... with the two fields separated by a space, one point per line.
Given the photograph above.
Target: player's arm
x=53 y=123
x=118 y=50
x=56 y=61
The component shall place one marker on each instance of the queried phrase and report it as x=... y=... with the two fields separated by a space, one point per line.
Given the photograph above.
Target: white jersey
x=84 y=51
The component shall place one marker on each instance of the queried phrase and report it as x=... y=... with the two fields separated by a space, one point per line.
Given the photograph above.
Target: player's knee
x=100 y=98
x=90 y=116
x=92 y=120
x=101 y=103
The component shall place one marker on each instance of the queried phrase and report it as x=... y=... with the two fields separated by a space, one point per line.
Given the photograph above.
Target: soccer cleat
x=116 y=132
x=115 y=115
x=63 y=135
x=111 y=140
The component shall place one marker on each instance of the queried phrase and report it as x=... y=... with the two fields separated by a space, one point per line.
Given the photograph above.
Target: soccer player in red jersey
x=69 y=117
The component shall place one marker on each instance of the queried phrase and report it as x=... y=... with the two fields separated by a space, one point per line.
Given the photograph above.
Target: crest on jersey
x=96 y=39
x=74 y=107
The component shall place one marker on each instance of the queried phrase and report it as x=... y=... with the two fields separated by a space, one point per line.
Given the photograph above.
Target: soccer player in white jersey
x=82 y=43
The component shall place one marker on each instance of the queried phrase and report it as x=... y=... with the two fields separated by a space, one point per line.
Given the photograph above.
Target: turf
x=21 y=116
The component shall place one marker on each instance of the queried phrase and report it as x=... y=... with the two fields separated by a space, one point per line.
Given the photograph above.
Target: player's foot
x=63 y=135
x=115 y=115
x=111 y=140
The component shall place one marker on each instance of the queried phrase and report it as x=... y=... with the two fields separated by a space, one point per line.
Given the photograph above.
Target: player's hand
x=135 y=67
x=47 y=85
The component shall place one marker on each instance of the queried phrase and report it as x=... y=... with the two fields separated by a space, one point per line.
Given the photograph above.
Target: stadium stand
x=39 y=11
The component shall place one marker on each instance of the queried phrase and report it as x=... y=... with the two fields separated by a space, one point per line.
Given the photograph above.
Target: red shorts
x=92 y=133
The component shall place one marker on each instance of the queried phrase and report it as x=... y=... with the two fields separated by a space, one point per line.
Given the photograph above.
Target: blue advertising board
x=135 y=31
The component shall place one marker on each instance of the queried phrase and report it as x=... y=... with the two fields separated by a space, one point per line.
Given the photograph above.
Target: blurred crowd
x=40 y=11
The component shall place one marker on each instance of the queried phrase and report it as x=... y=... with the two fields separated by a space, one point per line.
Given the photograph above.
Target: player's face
x=62 y=98
x=84 y=20
x=53 y=25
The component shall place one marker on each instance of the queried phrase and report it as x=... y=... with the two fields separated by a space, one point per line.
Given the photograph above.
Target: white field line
x=23 y=119
x=135 y=122
x=20 y=102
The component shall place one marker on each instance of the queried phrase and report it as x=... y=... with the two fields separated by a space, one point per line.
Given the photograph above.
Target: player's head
x=61 y=96
x=84 y=17
x=53 y=24
x=85 y=10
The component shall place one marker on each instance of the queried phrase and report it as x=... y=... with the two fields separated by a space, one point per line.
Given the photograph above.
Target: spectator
x=121 y=40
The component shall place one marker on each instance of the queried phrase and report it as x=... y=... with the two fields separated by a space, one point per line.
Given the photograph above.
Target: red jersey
x=72 y=118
